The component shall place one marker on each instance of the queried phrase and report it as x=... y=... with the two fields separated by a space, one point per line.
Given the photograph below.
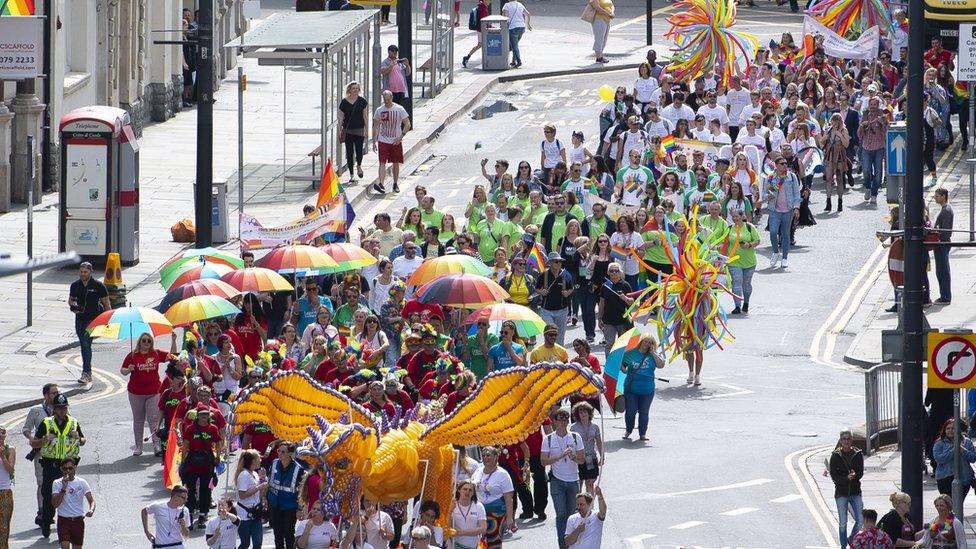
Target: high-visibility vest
x=62 y=446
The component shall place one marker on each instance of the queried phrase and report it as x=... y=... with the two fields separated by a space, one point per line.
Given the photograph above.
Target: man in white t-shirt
x=751 y=136
x=584 y=529
x=754 y=106
x=657 y=126
x=633 y=138
x=68 y=497
x=551 y=152
x=407 y=263
x=562 y=452
x=171 y=518
x=221 y=531
x=737 y=98
x=677 y=110
x=712 y=111
x=390 y=124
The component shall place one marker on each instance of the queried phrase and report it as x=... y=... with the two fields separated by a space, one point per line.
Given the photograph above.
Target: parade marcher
x=315 y=532
x=87 y=298
x=284 y=476
x=202 y=444
x=171 y=518
x=468 y=517
x=251 y=486
x=563 y=452
x=35 y=417
x=390 y=123
x=555 y=286
x=846 y=468
x=221 y=531
x=743 y=237
x=783 y=196
x=872 y=133
x=584 y=529
x=549 y=351
x=70 y=493
x=142 y=366
x=945 y=530
x=497 y=494
x=8 y=463
x=896 y=523
x=477 y=345
x=613 y=303
x=871 y=537
x=58 y=437
x=592 y=437
x=640 y=364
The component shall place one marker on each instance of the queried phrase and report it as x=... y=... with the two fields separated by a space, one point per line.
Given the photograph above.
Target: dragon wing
x=510 y=403
x=288 y=403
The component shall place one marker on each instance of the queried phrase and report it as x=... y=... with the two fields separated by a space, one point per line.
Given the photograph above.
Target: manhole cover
x=490 y=109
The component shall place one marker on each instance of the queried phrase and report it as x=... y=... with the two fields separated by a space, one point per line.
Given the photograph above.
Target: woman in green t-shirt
x=492 y=233
x=476 y=208
x=742 y=242
x=655 y=233
x=411 y=220
x=447 y=234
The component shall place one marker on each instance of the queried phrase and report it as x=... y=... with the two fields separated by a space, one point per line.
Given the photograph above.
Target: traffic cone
x=113 y=280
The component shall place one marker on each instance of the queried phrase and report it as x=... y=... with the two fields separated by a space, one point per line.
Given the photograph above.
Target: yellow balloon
x=606 y=93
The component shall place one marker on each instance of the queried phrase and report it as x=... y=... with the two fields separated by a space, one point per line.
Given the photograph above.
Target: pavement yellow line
x=112 y=385
x=642 y=17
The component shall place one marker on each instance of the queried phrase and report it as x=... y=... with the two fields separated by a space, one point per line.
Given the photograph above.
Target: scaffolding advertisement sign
x=20 y=47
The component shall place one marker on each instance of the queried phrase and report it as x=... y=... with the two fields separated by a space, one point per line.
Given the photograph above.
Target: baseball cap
x=203 y=409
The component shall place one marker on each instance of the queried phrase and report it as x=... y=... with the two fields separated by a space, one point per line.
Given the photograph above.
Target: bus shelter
x=342 y=46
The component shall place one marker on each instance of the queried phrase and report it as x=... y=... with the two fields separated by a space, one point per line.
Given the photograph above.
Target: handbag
x=930 y=236
x=589 y=13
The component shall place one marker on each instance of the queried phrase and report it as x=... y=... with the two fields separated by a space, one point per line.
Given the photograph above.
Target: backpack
x=474 y=21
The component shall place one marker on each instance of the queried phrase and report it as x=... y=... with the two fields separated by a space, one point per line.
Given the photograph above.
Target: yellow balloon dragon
x=394 y=459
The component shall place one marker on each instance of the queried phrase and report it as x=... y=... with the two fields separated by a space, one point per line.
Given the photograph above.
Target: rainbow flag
x=961 y=91
x=619 y=252
x=669 y=144
x=341 y=216
x=590 y=186
x=172 y=459
x=329 y=188
x=536 y=258
x=16 y=7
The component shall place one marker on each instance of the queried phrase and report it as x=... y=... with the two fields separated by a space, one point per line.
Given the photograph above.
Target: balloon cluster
x=704 y=41
x=685 y=304
x=849 y=18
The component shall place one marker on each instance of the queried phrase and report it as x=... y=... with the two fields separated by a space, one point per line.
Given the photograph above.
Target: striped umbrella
x=462 y=290
x=257 y=279
x=527 y=322
x=612 y=376
x=204 y=286
x=298 y=259
x=199 y=307
x=213 y=255
x=348 y=256
x=127 y=322
x=447 y=264
x=193 y=271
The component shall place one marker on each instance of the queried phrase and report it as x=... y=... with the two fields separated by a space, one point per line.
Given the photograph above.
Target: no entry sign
x=952 y=361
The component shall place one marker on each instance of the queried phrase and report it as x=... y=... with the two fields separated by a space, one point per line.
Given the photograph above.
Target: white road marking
x=744 y=484
x=786 y=499
x=739 y=511
x=736 y=391
x=637 y=542
x=809 y=491
x=687 y=525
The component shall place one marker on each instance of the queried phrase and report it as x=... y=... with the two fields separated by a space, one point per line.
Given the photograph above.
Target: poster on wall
x=20 y=47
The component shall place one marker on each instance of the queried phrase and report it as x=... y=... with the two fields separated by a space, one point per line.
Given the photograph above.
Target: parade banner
x=256 y=236
x=689 y=146
x=835 y=45
x=614 y=210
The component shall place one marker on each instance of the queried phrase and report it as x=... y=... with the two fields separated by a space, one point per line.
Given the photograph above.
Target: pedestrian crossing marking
x=739 y=511
x=687 y=525
x=786 y=499
x=637 y=542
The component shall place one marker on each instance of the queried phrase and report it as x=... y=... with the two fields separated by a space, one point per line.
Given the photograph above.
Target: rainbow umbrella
x=199 y=307
x=298 y=259
x=527 y=322
x=445 y=265
x=462 y=290
x=612 y=376
x=257 y=279
x=204 y=286
x=126 y=322
x=199 y=255
x=193 y=271
x=348 y=256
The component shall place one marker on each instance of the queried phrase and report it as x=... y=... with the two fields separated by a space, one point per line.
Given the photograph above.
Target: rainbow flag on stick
x=669 y=144
x=536 y=258
x=329 y=188
x=619 y=253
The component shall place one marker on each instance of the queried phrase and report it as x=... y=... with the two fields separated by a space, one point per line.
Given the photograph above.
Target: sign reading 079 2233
x=20 y=47
x=951 y=360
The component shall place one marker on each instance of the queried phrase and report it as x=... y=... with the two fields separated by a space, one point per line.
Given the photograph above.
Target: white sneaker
x=691 y=377
x=697 y=381
x=774 y=261
x=785 y=263
x=874 y=199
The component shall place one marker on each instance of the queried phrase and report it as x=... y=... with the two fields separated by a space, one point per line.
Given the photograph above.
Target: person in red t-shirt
x=200 y=393
x=938 y=55
x=142 y=366
x=169 y=400
x=395 y=394
x=465 y=383
x=540 y=483
x=258 y=436
x=514 y=462
x=251 y=327
x=336 y=370
x=423 y=361
x=378 y=401
x=585 y=358
x=201 y=447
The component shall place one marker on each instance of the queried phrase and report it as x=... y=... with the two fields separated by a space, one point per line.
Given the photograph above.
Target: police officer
x=58 y=437
x=286 y=477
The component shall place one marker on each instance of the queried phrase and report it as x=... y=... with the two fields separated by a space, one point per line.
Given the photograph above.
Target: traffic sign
x=966 y=60
x=897 y=147
x=951 y=361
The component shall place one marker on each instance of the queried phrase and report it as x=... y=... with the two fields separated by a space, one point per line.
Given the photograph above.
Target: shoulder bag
x=589 y=13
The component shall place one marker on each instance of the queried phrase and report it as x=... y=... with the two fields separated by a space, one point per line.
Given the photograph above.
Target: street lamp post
x=404 y=15
x=915 y=260
x=203 y=193
x=650 y=31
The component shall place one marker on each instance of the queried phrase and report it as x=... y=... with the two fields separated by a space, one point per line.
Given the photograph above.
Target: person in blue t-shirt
x=638 y=367
x=309 y=304
x=506 y=353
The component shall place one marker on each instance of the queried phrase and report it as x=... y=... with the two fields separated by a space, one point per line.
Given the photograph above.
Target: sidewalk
x=167 y=160
x=882 y=476
x=871 y=317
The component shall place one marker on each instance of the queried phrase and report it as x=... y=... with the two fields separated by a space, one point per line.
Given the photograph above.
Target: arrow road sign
x=952 y=362
x=897 y=150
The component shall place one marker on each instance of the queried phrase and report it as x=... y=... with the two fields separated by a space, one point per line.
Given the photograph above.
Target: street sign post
x=952 y=365
x=897 y=147
x=966 y=60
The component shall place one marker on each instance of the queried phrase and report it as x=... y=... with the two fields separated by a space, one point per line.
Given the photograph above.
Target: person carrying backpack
x=479 y=12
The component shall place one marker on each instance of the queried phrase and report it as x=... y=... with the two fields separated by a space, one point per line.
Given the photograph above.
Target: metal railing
x=882 y=404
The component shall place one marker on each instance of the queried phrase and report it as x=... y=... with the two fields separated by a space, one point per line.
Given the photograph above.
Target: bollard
x=113 y=280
